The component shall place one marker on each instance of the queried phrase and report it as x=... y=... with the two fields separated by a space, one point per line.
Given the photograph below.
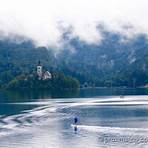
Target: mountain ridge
x=115 y=61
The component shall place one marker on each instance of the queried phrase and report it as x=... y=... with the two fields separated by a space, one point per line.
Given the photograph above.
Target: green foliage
x=17 y=59
x=113 y=62
x=110 y=63
x=58 y=81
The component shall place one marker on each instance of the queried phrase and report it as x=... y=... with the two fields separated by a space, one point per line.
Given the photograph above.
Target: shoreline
x=70 y=89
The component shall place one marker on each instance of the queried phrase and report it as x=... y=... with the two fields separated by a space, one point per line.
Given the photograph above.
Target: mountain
x=116 y=60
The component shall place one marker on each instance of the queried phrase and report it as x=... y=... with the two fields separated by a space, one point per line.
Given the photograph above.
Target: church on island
x=41 y=73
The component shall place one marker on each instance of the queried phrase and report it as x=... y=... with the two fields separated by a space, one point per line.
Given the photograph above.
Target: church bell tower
x=39 y=70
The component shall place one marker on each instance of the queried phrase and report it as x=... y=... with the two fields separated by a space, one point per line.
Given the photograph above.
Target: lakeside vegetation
x=58 y=82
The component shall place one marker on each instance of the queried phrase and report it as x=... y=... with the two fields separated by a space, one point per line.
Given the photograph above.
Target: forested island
x=58 y=82
x=42 y=79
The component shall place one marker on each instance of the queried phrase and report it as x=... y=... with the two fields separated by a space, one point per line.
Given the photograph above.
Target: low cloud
x=41 y=20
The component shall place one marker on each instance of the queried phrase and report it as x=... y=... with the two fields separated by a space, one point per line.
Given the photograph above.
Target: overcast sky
x=40 y=20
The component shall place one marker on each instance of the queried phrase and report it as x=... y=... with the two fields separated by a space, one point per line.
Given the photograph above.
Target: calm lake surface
x=106 y=118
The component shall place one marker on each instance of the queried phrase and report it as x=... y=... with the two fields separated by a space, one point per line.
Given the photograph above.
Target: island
x=42 y=79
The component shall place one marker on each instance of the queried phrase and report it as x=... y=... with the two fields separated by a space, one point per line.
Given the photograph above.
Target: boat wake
x=26 y=119
x=112 y=130
x=51 y=112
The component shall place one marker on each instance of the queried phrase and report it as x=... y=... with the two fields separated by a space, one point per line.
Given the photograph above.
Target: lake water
x=46 y=119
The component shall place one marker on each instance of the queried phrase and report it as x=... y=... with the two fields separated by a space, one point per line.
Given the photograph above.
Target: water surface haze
x=106 y=118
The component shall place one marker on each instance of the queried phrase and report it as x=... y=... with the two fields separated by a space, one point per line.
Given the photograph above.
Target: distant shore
x=81 y=88
x=123 y=87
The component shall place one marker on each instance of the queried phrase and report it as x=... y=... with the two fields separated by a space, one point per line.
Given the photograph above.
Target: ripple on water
x=49 y=125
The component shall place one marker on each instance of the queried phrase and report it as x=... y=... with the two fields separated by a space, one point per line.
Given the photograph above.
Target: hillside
x=17 y=59
x=115 y=61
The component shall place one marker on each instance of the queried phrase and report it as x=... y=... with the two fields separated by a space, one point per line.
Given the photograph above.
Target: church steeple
x=39 y=62
x=39 y=70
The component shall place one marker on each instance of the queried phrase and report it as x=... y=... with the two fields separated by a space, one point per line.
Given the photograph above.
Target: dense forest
x=116 y=61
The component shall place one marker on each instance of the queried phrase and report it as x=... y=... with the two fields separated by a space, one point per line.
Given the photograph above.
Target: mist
x=44 y=21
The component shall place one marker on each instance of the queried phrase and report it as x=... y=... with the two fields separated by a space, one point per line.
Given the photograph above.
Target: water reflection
x=44 y=119
x=51 y=125
x=26 y=95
